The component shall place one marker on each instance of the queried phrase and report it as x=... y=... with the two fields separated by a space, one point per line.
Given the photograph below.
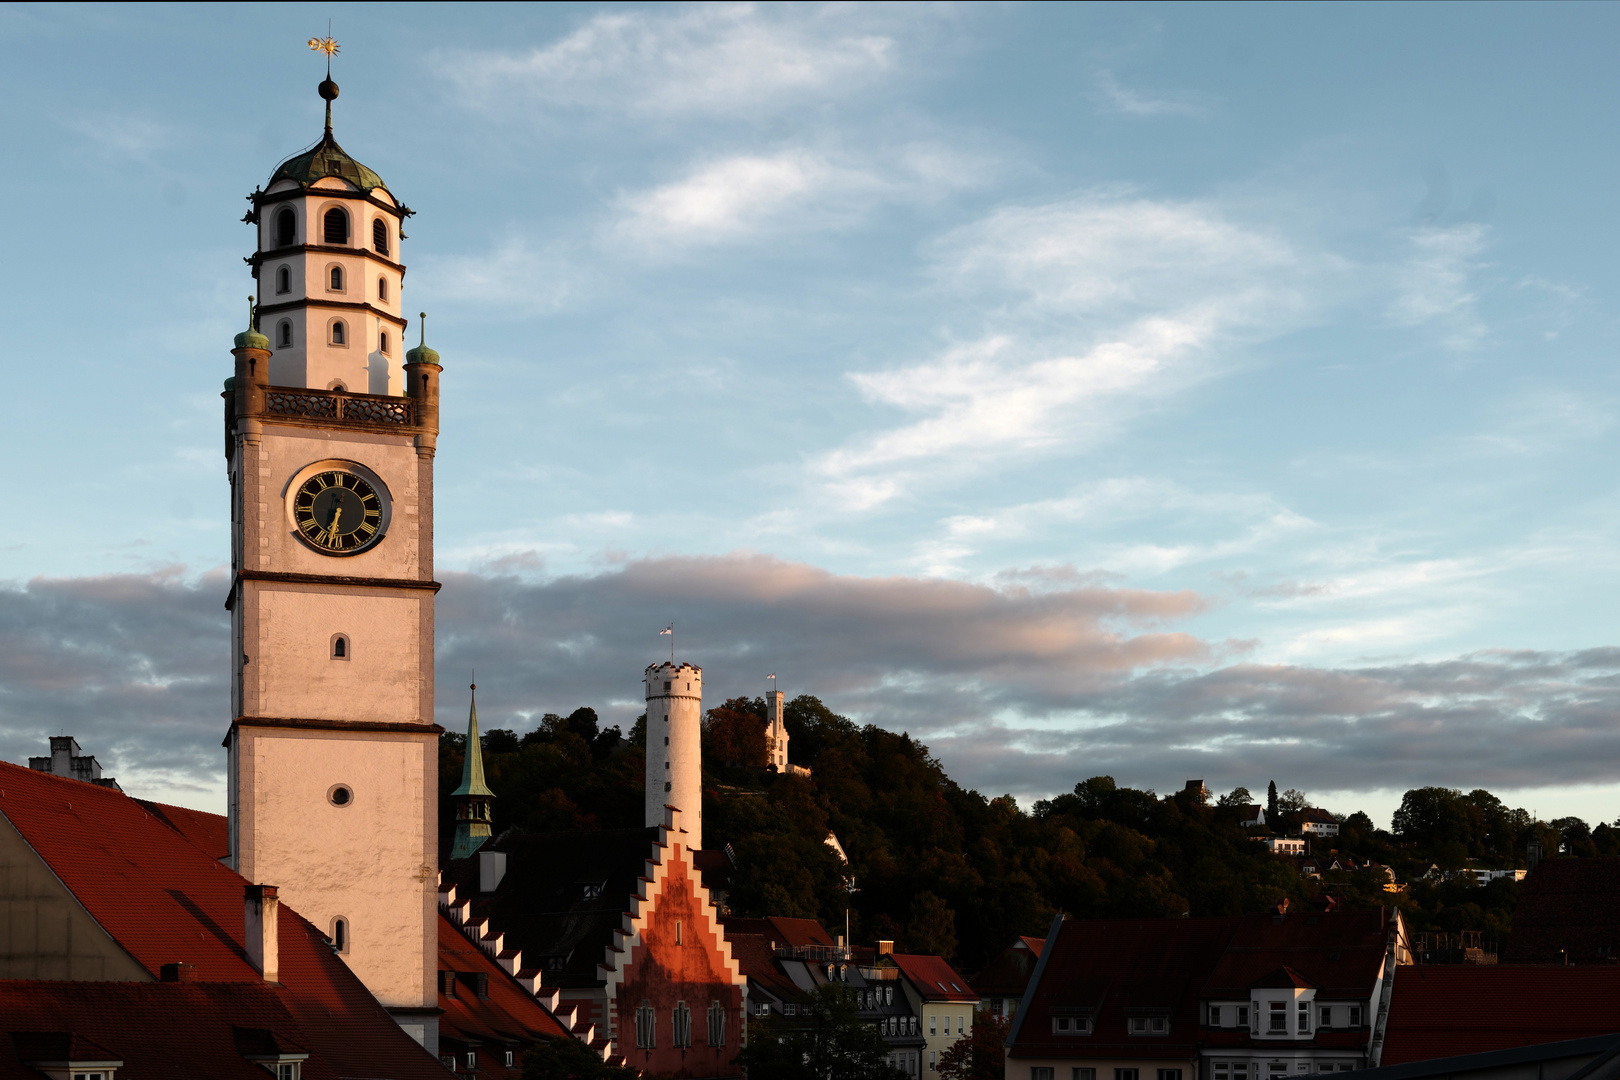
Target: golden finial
x=326 y=45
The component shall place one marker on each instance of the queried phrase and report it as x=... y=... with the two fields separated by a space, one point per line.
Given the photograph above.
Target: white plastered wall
x=378 y=680
x=675 y=747
x=352 y=860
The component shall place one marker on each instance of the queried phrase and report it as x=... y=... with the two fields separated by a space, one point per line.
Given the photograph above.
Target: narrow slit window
x=382 y=288
x=284 y=334
x=337 y=279
x=382 y=341
x=339 y=335
x=336 y=226
x=340 y=934
x=379 y=236
x=283 y=280
x=286 y=228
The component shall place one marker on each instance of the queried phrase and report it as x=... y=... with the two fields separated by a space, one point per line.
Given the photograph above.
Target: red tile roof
x=156 y=1029
x=933 y=978
x=1571 y=905
x=1009 y=970
x=508 y=1016
x=789 y=932
x=210 y=832
x=757 y=959
x=164 y=900
x=1339 y=952
x=1443 y=1010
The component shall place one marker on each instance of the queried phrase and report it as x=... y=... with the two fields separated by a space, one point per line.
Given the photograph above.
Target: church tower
x=675 y=746
x=330 y=431
x=473 y=796
x=776 y=733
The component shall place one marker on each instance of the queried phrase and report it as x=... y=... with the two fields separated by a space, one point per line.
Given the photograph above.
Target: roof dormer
x=62 y=1055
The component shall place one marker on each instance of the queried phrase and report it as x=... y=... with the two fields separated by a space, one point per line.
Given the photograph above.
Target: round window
x=340 y=795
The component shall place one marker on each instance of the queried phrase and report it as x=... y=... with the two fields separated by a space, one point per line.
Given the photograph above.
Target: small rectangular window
x=1279 y=1016
x=472 y=1059
x=511 y=1059
x=1221 y=1071
x=1138 y=1025
x=1169 y=1074
x=1084 y=1073
x=1243 y=1016
x=1304 y=1017
x=1040 y=1072
x=1214 y=1016
x=1326 y=1019
x=1355 y=1016
x=1064 y=1024
x=1125 y=1074
x=1159 y=1025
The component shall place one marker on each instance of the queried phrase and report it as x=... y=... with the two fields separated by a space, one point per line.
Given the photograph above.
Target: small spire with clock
x=331 y=429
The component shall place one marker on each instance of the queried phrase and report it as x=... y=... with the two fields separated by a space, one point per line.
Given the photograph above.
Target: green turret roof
x=251 y=338
x=472 y=768
x=422 y=354
x=326 y=158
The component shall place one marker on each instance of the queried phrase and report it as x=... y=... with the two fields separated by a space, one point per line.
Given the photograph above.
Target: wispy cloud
x=717 y=59
x=1435 y=283
x=515 y=277
x=122 y=136
x=1113 y=97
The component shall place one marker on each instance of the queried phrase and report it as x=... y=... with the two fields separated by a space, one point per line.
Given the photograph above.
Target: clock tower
x=330 y=429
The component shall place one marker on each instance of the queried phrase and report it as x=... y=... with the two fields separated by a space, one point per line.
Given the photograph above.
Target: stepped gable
x=544 y=905
x=1107 y=965
x=163 y=900
x=1338 y=952
x=1444 y=1010
x=155 y=1029
x=504 y=1018
x=1008 y=972
x=1569 y=905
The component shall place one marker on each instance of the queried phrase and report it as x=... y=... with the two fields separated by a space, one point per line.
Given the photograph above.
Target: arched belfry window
x=283 y=280
x=284 y=333
x=382 y=288
x=340 y=334
x=379 y=236
x=337 y=279
x=337 y=226
x=286 y=227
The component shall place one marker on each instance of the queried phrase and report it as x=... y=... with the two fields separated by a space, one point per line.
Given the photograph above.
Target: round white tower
x=675 y=746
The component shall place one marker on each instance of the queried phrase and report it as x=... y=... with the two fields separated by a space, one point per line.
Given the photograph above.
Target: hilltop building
x=66 y=759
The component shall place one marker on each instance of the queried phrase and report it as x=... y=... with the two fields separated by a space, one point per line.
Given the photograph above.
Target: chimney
x=178 y=973
x=259 y=925
x=491 y=869
x=885 y=947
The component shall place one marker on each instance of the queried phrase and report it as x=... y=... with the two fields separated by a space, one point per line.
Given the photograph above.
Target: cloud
x=1434 y=283
x=124 y=137
x=515 y=277
x=1112 y=97
x=1091 y=302
x=719 y=59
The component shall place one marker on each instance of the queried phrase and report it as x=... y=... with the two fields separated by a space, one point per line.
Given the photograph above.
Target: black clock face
x=338 y=513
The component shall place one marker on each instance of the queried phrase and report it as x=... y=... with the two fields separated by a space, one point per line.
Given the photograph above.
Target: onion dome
x=326 y=158
x=422 y=354
x=251 y=338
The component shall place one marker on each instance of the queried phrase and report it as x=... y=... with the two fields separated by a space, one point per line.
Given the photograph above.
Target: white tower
x=332 y=751
x=675 y=746
x=776 y=735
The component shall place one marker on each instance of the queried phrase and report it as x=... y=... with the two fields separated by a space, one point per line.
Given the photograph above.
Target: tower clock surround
x=332 y=753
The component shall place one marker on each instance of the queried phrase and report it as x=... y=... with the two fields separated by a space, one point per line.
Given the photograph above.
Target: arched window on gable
x=337 y=226
x=379 y=236
x=286 y=227
x=283 y=279
x=284 y=333
x=340 y=334
x=337 y=279
x=382 y=288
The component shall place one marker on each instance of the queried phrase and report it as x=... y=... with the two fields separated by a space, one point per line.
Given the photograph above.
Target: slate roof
x=1568 y=904
x=165 y=900
x=543 y=905
x=933 y=978
x=1444 y=1010
x=1009 y=970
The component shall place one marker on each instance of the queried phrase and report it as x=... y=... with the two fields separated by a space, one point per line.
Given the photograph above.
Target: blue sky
x=1156 y=390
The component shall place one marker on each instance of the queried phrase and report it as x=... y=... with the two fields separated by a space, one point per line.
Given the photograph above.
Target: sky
x=1163 y=391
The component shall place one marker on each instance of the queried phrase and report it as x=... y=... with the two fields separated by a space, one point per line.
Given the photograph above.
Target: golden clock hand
x=332 y=529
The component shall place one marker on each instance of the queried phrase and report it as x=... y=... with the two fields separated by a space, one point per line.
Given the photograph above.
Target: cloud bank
x=1027 y=685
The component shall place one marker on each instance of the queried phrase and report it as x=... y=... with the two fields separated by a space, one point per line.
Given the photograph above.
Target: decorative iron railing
x=339 y=406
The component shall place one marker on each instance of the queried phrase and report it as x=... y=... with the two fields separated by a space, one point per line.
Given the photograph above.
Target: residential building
x=1567 y=913
x=1002 y=982
x=943 y=1002
x=1241 y=998
x=1254 y=816
x=1440 y=1011
x=1314 y=821
x=1283 y=845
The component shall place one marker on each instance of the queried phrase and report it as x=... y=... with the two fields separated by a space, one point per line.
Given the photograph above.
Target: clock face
x=337 y=513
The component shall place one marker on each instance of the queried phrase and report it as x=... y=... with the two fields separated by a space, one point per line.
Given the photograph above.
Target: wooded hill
x=947 y=870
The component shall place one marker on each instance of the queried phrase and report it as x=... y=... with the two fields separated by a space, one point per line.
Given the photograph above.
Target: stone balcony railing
x=339 y=406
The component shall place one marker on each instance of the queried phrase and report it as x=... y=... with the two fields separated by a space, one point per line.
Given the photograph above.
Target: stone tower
x=332 y=754
x=776 y=733
x=675 y=747
x=473 y=797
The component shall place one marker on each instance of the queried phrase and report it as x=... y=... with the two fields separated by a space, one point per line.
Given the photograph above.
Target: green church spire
x=473 y=796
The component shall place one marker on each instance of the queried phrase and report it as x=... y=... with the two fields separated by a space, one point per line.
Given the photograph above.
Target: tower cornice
x=265 y=198
x=341 y=305
x=258 y=257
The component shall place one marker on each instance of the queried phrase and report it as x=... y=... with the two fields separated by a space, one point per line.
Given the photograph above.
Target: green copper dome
x=251 y=338
x=422 y=354
x=326 y=158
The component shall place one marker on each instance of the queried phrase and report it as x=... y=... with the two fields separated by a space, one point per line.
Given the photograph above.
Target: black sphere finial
x=328 y=89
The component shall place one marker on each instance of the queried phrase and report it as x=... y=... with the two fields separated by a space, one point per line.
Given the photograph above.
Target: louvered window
x=717 y=1024
x=337 y=226
x=646 y=1024
x=379 y=236
x=286 y=227
x=683 y=1024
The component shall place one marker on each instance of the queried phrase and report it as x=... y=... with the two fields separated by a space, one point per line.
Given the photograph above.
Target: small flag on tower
x=670 y=629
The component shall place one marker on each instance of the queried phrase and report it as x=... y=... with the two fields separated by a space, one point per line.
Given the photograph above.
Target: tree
x=981 y=1054
x=734 y=734
x=1437 y=820
x=932 y=927
x=833 y=1043
x=1293 y=801
x=1238 y=797
x=569 y=1059
x=1271 y=800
